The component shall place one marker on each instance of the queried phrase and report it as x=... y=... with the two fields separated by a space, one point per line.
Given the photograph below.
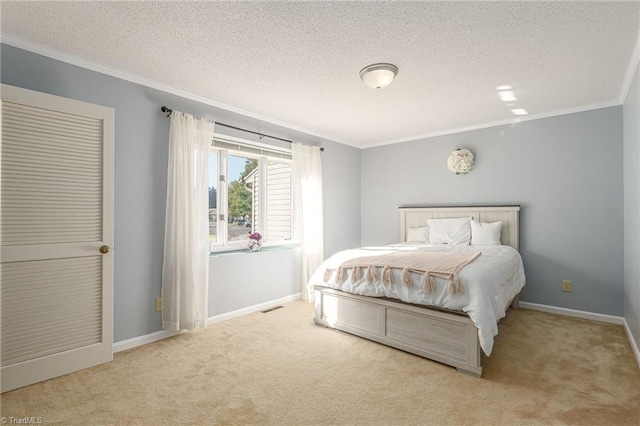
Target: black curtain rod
x=169 y=111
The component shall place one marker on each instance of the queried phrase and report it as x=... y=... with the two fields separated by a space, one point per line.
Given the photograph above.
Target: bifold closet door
x=56 y=236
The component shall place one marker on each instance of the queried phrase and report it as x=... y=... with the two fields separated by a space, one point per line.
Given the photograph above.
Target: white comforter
x=490 y=282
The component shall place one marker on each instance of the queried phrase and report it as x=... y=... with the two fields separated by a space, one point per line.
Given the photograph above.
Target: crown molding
x=132 y=78
x=63 y=57
x=631 y=70
x=514 y=120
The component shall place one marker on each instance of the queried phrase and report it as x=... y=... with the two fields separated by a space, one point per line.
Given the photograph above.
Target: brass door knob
x=105 y=249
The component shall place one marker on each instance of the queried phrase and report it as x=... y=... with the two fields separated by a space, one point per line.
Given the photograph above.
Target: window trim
x=224 y=146
x=244 y=146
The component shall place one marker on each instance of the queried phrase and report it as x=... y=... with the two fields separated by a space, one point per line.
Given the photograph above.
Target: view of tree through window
x=248 y=193
x=213 y=197
x=241 y=176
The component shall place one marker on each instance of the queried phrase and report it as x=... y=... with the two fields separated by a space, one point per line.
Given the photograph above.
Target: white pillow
x=418 y=234
x=454 y=231
x=485 y=234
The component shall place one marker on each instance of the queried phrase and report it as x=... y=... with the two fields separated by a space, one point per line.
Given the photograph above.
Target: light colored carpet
x=279 y=368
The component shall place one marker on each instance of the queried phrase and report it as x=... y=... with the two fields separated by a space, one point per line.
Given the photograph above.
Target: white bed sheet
x=490 y=282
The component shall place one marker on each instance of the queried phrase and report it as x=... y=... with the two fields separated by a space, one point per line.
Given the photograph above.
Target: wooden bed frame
x=448 y=337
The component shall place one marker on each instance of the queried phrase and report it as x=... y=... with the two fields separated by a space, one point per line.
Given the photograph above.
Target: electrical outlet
x=158 y=304
x=566 y=285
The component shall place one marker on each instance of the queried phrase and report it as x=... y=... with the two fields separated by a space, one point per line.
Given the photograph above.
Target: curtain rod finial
x=166 y=110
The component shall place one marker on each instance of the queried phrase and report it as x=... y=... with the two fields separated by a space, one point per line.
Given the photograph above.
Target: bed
x=446 y=315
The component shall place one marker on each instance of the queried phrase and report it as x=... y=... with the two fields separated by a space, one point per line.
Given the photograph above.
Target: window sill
x=236 y=251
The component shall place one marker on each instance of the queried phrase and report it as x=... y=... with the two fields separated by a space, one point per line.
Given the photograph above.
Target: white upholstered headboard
x=411 y=217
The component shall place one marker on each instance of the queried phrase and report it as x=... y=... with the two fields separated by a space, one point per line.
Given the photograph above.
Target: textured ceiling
x=297 y=63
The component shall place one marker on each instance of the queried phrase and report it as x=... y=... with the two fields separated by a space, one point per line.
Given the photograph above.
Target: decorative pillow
x=485 y=234
x=454 y=231
x=419 y=234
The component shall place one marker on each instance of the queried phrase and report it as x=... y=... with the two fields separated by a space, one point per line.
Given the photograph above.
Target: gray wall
x=239 y=280
x=141 y=141
x=564 y=171
x=632 y=208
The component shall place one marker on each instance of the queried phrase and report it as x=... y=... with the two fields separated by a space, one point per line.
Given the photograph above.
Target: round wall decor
x=460 y=161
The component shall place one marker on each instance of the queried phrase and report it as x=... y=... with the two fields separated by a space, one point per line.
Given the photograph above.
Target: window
x=249 y=191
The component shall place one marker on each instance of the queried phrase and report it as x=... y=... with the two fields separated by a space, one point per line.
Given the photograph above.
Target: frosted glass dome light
x=378 y=76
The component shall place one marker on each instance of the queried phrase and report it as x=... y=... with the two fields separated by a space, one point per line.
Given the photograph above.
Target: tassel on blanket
x=372 y=274
x=455 y=285
x=340 y=276
x=432 y=284
x=387 y=276
x=428 y=283
x=327 y=275
x=406 y=277
x=356 y=275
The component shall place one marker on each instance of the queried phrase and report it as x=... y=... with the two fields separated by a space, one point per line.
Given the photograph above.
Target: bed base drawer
x=441 y=336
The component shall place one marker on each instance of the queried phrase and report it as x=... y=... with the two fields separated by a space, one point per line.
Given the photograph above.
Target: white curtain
x=308 y=224
x=185 y=272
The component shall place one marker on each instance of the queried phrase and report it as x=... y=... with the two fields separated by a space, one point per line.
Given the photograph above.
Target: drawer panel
x=422 y=333
x=352 y=314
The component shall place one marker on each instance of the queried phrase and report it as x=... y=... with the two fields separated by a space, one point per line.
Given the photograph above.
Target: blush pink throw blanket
x=445 y=265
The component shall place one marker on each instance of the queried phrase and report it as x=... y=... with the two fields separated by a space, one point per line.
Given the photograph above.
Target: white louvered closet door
x=56 y=235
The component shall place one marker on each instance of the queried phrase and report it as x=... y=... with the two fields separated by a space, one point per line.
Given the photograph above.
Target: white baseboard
x=634 y=345
x=123 y=345
x=573 y=313
x=252 y=309
x=163 y=334
x=590 y=316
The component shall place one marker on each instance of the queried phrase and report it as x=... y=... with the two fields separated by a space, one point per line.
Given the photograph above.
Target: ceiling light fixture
x=378 y=76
